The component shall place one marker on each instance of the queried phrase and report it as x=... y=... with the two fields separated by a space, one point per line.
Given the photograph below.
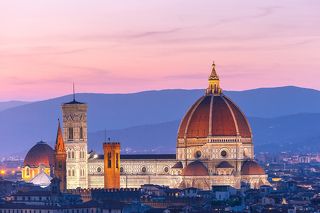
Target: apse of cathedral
x=214 y=147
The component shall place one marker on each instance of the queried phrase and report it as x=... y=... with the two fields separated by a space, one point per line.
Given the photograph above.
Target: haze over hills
x=299 y=132
x=144 y=120
x=11 y=104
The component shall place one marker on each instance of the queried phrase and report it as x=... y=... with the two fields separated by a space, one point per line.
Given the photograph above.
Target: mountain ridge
x=22 y=126
x=267 y=132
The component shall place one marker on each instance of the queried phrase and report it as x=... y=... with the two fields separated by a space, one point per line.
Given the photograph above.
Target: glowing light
x=276 y=179
x=2 y=172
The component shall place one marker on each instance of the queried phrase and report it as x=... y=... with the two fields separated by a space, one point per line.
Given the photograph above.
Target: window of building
x=69 y=154
x=81 y=133
x=82 y=172
x=60 y=164
x=73 y=173
x=109 y=159
x=72 y=154
x=144 y=169
x=70 y=133
x=81 y=154
x=224 y=153
x=166 y=169
x=198 y=154
x=117 y=160
x=28 y=171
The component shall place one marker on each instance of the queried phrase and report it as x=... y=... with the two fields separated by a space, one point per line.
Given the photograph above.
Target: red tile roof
x=41 y=153
x=226 y=119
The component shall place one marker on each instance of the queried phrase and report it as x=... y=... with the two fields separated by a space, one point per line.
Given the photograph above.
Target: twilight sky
x=134 y=45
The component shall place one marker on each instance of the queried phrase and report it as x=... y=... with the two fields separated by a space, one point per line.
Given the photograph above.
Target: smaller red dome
x=251 y=168
x=40 y=154
x=195 y=168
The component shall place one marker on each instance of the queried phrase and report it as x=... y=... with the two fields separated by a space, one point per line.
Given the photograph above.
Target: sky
x=136 y=45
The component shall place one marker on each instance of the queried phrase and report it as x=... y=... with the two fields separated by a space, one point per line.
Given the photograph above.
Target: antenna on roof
x=74 y=93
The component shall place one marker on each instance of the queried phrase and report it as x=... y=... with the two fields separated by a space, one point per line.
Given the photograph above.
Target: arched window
x=81 y=154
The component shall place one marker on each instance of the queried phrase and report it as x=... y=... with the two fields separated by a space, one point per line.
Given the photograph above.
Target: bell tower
x=111 y=165
x=75 y=137
x=60 y=159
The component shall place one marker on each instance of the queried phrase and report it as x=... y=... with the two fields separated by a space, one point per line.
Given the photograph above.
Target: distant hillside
x=153 y=138
x=24 y=125
x=300 y=132
x=11 y=104
x=279 y=101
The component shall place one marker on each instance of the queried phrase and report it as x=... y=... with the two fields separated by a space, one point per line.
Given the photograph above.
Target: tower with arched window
x=75 y=138
x=111 y=165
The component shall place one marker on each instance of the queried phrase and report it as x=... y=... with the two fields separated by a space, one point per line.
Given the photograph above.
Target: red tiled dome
x=195 y=168
x=251 y=168
x=214 y=115
x=40 y=154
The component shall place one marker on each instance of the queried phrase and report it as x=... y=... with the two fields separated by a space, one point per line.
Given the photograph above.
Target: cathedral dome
x=251 y=168
x=195 y=168
x=40 y=154
x=214 y=114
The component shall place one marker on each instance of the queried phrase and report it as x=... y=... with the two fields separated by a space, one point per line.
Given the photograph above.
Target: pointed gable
x=60 y=147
